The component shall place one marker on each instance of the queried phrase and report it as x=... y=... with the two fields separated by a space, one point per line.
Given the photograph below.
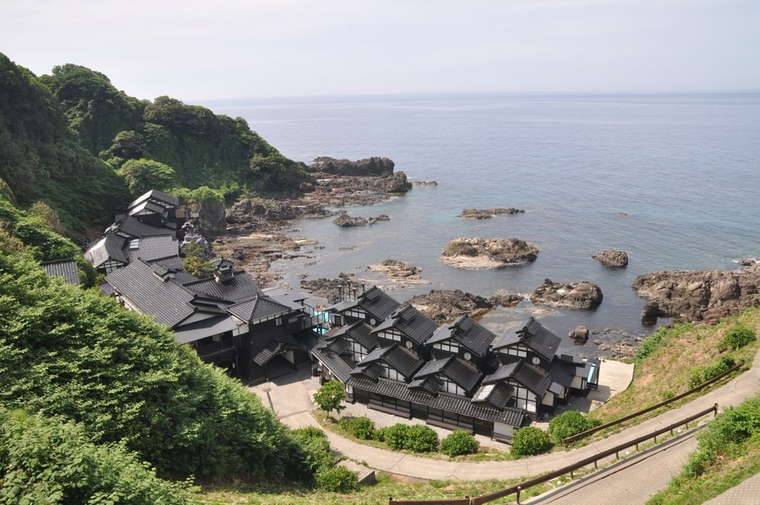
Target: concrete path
x=746 y=493
x=631 y=482
x=731 y=394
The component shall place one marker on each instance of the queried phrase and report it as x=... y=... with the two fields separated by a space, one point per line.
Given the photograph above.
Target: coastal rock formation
x=700 y=295
x=580 y=334
x=346 y=221
x=396 y=183
x=448 y=304
x=424 y=183
x=262 y=214
x=478 y=253
x=612 y=258
x=332 y=289
x=397 y=269
x=650 y=313
x=374 y=166
x=578 y=295
x=488 y=213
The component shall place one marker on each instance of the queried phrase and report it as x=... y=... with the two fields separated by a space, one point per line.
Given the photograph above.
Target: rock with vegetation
x=397 y=269
x=445 y=305
x=375 y=166
x=699 y=295
x=483 y=253
x=346 y=221
x=489 y=213
x=612 y=258
x=578 y=295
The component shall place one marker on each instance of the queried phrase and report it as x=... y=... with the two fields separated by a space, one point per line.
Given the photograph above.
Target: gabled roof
x=203 y=329
x=256 y=308
x=468 y=332
x=534 y=335
x=358 y=331
x=534 y=379
x=159 y=196
x=242 y=286
x=110 y=246
x=413 y=323
x=562 y=372
x=335 y=363
x=155 y=247
x=394 y=356
x=458 y=370
x=168 y=302
x=130 y=225
x=66 y=268
x=497 y=394
x=375 y=301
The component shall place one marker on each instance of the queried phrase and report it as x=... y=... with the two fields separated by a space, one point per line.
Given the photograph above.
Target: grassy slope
x=666 y=372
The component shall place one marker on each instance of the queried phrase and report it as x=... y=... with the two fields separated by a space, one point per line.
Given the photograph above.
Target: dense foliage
x=529 y=441
x=360 y=427
x=323 y=463
x=76 y=354
x=142 y=175
x=415 y=438
x=737 y=337
x=570 y=423
x=337 y=479
x=44 y=460
x=459 y=442
x=704 y=374
x=330 y=396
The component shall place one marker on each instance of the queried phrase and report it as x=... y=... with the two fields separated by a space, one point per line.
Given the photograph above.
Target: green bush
x=395 y=436
x=314 y=443
x=737 y=337
x=330 y=396
x=360 y=427
x=529 y=441
x=421 y=438
x=700 y=375
x=337 y=479
x=698 y=462
x=570 y=423
x=44 y=460
x=459 y=442
x=650 y=344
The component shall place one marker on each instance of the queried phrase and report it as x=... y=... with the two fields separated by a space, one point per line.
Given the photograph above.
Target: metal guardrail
x=518 y=488
x=595 y=429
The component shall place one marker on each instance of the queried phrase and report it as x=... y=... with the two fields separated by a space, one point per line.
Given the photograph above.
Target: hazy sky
x=203 y=49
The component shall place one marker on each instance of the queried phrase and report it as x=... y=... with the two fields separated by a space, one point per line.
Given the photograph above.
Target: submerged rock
x=479 y=253
x=446 y=305
x=396 y=269
x=488 y=213
x=650 y=313
x=578 y=295
x=346 y=221
x=580 y=334
x=424 y=183
x=612 y=258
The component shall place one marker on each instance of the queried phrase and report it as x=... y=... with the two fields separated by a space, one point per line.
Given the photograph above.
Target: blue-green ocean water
x=685 y=168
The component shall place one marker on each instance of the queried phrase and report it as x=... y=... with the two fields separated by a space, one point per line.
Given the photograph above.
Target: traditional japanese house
x=371 y=306
x=408 y=327
x=464 y=338
x=531 y=342
x=450 y=374
x=529 y=384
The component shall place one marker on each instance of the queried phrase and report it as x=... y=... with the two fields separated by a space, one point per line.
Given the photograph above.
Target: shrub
x=698 y=462
x=704 y=374
x=314 y=443
x=459 y=442
x=570 y=423
x=529 y=441
x=421 y=438
x=330 y=396
x=395 y=436
x=360 y=427
x=737 y=337
x=735 y=425
x=337 y=479
x=650 y=344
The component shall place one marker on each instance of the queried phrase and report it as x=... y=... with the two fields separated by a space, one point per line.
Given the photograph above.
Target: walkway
x=746 y=493
x=632 y=481
x=731 y=394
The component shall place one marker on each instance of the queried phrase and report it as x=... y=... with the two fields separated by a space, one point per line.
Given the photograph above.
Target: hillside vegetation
x=65 y=136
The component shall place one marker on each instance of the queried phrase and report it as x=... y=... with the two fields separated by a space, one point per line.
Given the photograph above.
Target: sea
x=672 y=179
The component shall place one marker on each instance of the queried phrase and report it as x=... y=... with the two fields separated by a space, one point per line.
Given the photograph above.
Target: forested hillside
x=72 y=140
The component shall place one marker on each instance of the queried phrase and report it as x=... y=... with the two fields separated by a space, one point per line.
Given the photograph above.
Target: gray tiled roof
x=203 y=329
x=442 y=401
x=241 y=287
x=467 y=332
x=534 y=335
x=155 y=247
x=456 y=369
x=168 y=302
x=534 y=379
x=110 y=246
x=396 y=357
x=154 y=194
x=256 y=308
x=562 y=372
x=67 y=269
x=375 y=301
x=133 y=226
x=358 y=331
x=413 y=323
x=336 y=364
x=498 y=396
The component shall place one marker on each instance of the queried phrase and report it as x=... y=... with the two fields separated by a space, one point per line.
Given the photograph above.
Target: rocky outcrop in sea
x=396 y=269
x=332 y=289
x=374 y=166
x=612 y=258
x=489 y=213
x=578 y=295
x=698 y=295
x=483 y=253
x=445 y=305
x=346 y=221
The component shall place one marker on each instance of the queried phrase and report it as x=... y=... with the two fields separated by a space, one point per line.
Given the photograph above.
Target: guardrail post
x=715 y=410
x=596 y=465
x=518 y=495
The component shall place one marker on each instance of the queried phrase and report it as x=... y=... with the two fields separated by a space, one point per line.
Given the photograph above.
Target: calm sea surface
x=684 y=168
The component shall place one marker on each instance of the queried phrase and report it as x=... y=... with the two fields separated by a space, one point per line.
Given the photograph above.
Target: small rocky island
x=445 y=305
x=578 y=295
x=488 y=213
x=612 y=258
x=485 y=253
x=396 y=269
x=346 y=221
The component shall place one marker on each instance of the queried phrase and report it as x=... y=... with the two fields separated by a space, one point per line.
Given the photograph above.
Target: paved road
x=731 y=394
x=630 y=482
x=746 y=493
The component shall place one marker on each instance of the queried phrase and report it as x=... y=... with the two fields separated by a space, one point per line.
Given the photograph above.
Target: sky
x=226 y=49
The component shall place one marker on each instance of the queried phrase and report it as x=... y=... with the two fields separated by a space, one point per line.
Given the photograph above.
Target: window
x=357 y=313
x=391 y=335
x=447 y=346
x=278 y=321
x=519 y=351
x=484 y=392
x=524 y=399
x=134 y=243
x=451 y=387
x=358 y=350
x=392 y=373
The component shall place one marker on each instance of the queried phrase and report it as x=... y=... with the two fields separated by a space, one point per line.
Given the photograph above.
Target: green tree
x=195 y=260
x=330 y=396
x=143 y=175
